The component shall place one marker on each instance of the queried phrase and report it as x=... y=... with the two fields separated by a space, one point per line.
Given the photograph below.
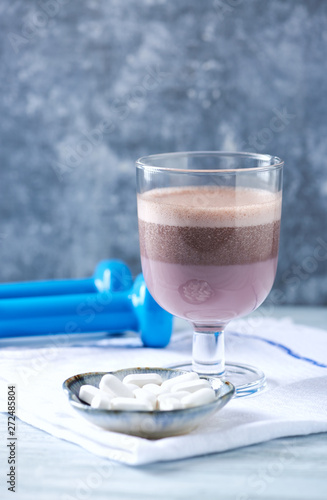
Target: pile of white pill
x=147 y=391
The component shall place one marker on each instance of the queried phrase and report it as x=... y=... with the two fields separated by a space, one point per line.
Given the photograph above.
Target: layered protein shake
x=209 y=253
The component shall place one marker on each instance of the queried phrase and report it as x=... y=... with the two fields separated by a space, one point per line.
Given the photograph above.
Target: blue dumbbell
x=110 y=311
x=111 y=275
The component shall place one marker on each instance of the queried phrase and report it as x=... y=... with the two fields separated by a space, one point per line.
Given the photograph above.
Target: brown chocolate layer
x=219 y=246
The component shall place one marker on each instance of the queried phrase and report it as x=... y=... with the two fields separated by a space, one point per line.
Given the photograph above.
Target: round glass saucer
x=247 y=380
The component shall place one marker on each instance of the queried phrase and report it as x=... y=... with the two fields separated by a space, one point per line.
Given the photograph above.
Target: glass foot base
x=247 y=379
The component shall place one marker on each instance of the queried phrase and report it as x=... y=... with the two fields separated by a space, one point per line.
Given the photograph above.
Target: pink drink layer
x=209 y=254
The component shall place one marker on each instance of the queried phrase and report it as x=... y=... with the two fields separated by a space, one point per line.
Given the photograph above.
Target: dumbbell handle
x=108 y=275
x=46 y=288
x=133 y=310
x=104 y=311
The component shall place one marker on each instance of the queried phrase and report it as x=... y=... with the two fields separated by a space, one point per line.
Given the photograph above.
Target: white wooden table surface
x=285 y=469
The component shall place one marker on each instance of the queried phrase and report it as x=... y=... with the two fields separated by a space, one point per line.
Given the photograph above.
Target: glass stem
x=208 y=355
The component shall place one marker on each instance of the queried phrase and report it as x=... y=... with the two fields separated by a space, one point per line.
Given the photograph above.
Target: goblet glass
x=209 y=233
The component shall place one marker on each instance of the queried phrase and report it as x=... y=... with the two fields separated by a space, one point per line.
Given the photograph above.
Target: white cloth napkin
x=295 y=401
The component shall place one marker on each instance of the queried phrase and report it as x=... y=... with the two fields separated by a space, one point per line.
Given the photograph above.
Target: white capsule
x=87 y=393
x=112 y=385
x=167 y=384
x=141 y=379
x=176 y=395
x=132 y=387
x=130 y=404
x=102 y=401
x=154 y=388
x=147 y=396
x=191 y=385
x=170 y=404
x=198 y=398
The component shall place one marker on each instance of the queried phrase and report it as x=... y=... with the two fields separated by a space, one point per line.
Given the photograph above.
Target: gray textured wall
x=139 y=77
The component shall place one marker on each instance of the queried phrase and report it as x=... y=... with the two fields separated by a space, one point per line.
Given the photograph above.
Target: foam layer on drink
x=209 y=225
x=209 y=206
